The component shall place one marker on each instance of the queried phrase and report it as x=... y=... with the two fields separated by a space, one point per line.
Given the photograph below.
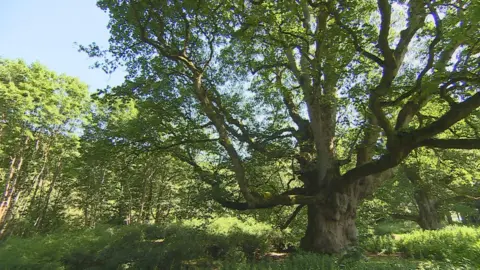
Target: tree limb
x=380 y=165
x=267 y=66
x=415 y=104
x=405 y=216
x=291 y=218
x=275 y=200
x=166 y=147
x=451 y=143
x=292 y=108
x=385 y=13
x=353 y=36
x=416 y=18
x=456 y=113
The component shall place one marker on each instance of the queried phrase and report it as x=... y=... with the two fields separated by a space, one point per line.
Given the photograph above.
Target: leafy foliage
x=41 y=114
x=140 y=247
x=454 y=244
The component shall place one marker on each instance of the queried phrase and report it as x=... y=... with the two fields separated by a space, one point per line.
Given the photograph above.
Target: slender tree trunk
x=38 y=182
x=140 y=214
x=4 y=227
x=449 y=218
x=86 y=216
x=158 y=215
x=56 y=175
x=144 y=198
x=3 y=121
x=10 y=191
x=149 y=200
x=38 y=179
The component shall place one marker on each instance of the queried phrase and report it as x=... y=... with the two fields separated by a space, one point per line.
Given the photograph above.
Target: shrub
x=455 y=244
x=133 y=247
x=380 y=244
x=389 y=227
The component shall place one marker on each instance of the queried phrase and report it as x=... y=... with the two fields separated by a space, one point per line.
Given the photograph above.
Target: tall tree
x=40 y=114
x=428 y=186
x=267 y=82
x=119 y=182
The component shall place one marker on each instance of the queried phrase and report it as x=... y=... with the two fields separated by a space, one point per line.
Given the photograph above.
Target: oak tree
x=334 y=89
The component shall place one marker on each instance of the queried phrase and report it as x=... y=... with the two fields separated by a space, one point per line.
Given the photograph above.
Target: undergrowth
x=459 y=245
x=229 y=247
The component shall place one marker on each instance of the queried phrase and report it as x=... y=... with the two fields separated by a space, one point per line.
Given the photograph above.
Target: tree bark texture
x=331 y=227
x=429 y=218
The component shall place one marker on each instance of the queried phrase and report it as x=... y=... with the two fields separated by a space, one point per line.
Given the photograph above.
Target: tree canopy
x=41 y=114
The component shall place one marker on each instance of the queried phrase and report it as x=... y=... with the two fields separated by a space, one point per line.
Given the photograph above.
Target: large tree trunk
x=331 y=227
x=429 y=219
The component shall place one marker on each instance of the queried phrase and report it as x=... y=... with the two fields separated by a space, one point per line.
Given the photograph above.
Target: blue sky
x=45 y=31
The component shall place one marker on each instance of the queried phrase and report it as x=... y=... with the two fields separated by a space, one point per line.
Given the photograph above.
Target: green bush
x=47 y=252
x=389 y=227
x=460 y=245
x=379 y=244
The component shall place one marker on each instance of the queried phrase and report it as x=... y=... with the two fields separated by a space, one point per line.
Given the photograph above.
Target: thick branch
x=456 y=113
x=416 y=18
x=365 y=153
x=292 y=108
x=385 y=12
x=353 y=36
x=451 y=143
x=268 y=66
x=166 y=147
x=384 y=163
x=393 y=60
x=405 y=217
x=377 y=110
x=270 y=202
x=403 y=144
x=458 y=199
x=416 y=103
x=225 y=141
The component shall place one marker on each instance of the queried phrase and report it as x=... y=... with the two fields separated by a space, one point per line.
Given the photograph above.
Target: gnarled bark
x=331 y=226
x=429 y=218
x=428 y=214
